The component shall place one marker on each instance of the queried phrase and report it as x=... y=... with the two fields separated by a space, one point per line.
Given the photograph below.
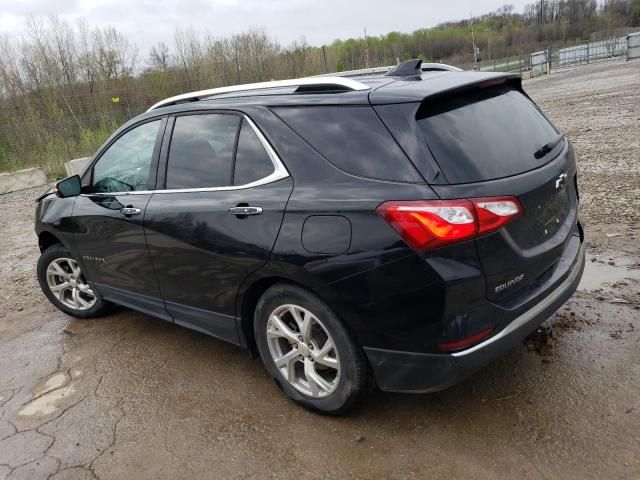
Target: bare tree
x=115 y=56
x=62 y=42
x=190 y=55
x=159 y=57
x=64 y=86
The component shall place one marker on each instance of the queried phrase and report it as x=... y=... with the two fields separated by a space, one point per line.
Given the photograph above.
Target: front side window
x=202 y=151
x=125 y=166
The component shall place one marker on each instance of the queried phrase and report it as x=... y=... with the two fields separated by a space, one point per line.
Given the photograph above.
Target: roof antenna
x=406 y=69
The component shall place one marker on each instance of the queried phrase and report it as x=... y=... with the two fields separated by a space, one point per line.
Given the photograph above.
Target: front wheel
x=307 y=350
x=62 y=281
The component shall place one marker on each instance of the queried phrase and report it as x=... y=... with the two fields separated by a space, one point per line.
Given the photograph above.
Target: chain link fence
x=66 y=131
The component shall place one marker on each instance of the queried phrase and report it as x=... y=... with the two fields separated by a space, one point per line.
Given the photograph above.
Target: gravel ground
x=128 y=396
x=598 y=107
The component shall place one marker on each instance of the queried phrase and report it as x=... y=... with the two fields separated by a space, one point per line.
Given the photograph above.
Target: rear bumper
x=398 y=371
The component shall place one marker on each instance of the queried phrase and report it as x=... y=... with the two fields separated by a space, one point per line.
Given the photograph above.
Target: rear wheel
x=307 y=350
x=62 y=281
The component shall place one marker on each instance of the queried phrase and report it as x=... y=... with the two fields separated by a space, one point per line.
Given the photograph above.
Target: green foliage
x=53 y=152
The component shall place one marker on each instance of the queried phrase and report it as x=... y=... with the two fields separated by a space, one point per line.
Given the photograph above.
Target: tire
x=322 y=368
x=56 y=267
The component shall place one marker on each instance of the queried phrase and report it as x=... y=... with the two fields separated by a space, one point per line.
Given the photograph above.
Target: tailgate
x=526 y=250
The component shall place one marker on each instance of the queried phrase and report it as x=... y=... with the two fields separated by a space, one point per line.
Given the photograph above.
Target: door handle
x=245 y=211
x=128 y=211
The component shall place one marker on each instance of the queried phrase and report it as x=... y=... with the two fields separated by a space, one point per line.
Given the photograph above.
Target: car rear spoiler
x=417 y=88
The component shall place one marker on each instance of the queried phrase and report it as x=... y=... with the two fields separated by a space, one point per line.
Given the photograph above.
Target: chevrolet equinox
x=397 y=230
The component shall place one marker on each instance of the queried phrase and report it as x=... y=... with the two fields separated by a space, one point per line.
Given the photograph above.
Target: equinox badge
x=510 y=283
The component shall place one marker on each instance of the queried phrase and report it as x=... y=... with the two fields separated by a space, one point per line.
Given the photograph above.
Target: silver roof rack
x=426 y=67
x=326 y=81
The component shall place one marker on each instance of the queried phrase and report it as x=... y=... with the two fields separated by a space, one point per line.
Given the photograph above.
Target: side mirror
x=69 y=187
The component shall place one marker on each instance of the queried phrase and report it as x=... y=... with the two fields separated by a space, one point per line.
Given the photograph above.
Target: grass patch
x=51 y=151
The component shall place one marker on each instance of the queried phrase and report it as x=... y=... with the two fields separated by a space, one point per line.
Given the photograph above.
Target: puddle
x=46 y=404
x=55 y=381
x=600 y=274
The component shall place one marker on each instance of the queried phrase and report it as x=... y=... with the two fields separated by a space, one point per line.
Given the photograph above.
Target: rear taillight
x=466 y=342
x=426 y=224
x=493 y=213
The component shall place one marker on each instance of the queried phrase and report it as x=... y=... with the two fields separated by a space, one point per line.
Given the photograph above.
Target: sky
x=146 y=22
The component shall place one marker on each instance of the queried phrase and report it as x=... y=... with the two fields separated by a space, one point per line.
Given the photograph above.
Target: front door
x=109 y=219
x=217 y=219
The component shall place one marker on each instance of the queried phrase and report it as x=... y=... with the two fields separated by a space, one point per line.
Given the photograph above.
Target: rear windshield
x=485 y=134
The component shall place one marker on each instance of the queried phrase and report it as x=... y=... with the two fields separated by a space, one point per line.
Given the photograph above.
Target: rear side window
x=202 y=150
x=353 y=139
x=485 y=134
x=252 y=160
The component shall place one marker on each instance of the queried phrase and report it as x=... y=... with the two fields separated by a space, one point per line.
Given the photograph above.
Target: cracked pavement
x=130 y=396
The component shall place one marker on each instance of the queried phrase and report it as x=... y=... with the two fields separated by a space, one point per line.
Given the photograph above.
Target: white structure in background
x=539 y=63
x=633 y=45
x=77 y=166
x=28 y=178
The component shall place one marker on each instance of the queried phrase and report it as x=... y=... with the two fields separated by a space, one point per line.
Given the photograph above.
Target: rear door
x=217 y=217
x=109 y=218
x=495 y=141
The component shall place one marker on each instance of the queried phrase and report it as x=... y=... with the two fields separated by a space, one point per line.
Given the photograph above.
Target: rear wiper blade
x=547 y=147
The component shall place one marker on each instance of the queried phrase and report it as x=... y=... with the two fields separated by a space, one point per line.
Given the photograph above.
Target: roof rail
x=362 y=72
x=437 y=67
x=307 y=83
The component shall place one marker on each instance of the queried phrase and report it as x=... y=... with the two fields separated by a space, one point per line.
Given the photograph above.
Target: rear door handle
x=130 y=211
x=242 y=211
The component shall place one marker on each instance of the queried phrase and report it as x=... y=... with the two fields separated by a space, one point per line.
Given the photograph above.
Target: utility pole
x=564 y=31
x=237 y=62
x=366 y=49
x=384 y=52
x=475 y=50
x=324 y=54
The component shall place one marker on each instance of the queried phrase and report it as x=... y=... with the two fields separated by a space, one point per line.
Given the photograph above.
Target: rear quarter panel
x=387 y=294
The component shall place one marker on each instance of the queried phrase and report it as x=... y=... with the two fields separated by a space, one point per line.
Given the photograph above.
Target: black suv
x=398 y=230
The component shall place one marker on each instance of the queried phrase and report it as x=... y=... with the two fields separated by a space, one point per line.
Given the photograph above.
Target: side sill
x=142 y=303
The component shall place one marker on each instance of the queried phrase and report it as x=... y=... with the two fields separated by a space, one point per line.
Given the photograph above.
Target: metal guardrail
x=589 y=52
x=563 y=56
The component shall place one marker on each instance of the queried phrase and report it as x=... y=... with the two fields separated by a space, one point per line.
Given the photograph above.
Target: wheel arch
x=254 y=287
x=47 y=239
x=246 y=307
x=247 y=300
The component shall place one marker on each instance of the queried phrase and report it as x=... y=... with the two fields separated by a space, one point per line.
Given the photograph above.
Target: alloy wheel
x=303 y=350
x=68 y=285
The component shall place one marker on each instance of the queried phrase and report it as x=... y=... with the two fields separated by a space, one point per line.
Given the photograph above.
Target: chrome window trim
x=278 y=173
